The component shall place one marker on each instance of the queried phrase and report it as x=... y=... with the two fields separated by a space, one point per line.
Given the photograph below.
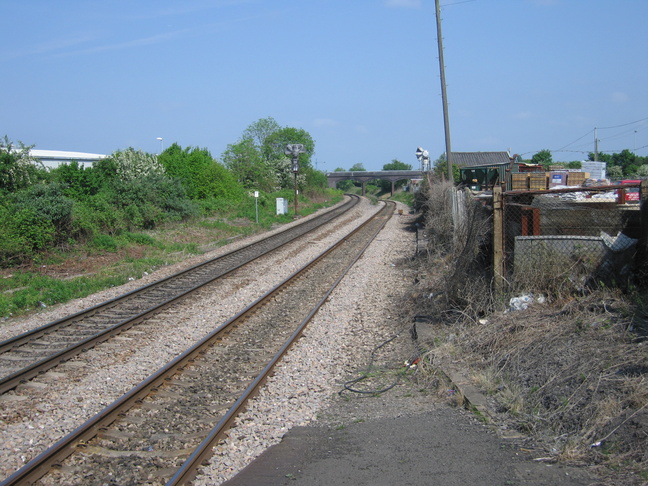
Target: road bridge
x=365 y=176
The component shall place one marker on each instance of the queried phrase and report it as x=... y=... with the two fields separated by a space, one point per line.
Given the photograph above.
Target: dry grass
x=571 y=372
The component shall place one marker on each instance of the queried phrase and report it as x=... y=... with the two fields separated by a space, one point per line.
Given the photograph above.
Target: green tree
x=260 y=130
x=394 y=165
x=542 y=158
x=357 y=167
x=273 y=152
x=201 y=175
x=248 y=166
x=275 y=144
x=627 y=161
x=18 y=169
x=614 y=172
x=601 y=157
x=259 y=162
x=440 y=169
x=642 y=171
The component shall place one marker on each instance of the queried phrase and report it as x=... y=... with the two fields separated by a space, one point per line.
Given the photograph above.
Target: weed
x=480 y=416
x=104 y=242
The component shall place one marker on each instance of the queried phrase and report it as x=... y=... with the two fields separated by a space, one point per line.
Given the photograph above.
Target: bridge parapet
x=364 y=176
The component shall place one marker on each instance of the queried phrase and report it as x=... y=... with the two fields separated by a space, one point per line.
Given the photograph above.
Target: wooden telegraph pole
x=444 y=97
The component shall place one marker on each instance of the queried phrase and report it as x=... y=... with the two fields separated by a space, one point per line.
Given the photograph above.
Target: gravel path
x=359 y=315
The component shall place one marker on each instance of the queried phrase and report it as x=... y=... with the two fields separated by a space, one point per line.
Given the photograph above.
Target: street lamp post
x=293 y=150
x=161 y=146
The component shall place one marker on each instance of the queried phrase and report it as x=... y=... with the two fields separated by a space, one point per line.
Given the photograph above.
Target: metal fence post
x=642 y=250
x=498 y=239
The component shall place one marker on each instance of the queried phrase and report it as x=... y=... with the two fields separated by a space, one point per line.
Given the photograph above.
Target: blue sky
x=361 y=76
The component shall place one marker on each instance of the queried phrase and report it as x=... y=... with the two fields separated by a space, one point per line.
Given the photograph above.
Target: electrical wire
x=623 y=125
x=612 y=137
x=562 y=149
x=367 y=372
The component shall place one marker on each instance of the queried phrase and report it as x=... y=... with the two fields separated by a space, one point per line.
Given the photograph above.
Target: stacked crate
x=537 y=181
x=519 y=181
x=577 y=178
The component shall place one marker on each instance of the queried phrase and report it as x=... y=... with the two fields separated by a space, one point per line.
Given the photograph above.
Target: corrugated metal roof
x=473 y=159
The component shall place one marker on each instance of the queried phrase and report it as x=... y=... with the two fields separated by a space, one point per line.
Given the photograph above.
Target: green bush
x=18 y=169
x=45 y=206
x=316 y=179
x=149 y=201
x=104 y=242
x=14 y=248
x=141 y=239
x=200 y=175
x=86 y=222
x=38 y=233
x=77 y=182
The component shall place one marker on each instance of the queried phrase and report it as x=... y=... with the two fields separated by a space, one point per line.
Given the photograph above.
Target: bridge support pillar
x=392 y=188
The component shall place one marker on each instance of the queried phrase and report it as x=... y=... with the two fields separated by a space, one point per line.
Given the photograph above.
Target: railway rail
x=165 y=428
x=29 y=354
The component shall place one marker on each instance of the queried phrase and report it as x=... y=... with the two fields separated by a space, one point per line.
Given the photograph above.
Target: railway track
x=165 y=428
x=29 y=354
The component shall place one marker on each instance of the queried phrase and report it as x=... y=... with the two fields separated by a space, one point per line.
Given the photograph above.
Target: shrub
x=131 y=164
x=77 y=182
x=46 y=207
x=149 y=201
x=315 y=178
x=18 y=169
x=36 y=232
x=200 y=175
x=13 y=247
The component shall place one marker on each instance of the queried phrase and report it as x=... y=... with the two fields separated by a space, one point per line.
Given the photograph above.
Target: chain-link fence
x=572 y=237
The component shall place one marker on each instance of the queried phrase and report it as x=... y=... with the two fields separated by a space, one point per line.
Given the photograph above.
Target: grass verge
x=111 y=260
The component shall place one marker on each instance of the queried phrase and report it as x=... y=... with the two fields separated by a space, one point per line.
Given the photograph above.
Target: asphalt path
x=442 y=446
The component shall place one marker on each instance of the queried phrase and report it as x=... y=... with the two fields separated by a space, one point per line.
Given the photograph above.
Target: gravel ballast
x=336 y=343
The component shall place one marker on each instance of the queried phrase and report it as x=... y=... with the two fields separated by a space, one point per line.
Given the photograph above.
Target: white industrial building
x=54 y=158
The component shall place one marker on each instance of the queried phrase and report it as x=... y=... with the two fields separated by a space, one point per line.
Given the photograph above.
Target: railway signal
x=293 y=150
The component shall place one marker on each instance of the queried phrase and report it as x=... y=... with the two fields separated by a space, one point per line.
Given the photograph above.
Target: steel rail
x=203 y=452
x=23 y=375
x=53 y=456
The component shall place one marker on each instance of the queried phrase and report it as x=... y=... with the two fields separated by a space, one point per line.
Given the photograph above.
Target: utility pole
x=595 y=145
x=444 y=97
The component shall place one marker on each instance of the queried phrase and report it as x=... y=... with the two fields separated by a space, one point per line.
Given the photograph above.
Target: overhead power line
x=612 y=137
x=624 y=125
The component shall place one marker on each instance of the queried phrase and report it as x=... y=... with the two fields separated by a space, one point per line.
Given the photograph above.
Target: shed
x=484 y=168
